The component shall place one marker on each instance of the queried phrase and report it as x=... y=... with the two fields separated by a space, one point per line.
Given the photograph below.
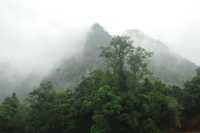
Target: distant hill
x=71 y=70
x=13 y=81
x=168 y=66
x=165 y=64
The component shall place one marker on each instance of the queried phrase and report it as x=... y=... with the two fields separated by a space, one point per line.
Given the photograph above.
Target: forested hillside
x=71 y=70
x=123 y=97
x=166 y=65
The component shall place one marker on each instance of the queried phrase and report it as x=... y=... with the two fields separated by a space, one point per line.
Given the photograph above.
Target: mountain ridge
x=165 y=64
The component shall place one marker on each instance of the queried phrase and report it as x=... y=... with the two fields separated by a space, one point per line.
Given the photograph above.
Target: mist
x=99 y=66
x=30 y=43
x=35 y=35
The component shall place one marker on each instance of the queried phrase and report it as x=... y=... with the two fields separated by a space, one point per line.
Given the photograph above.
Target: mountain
x=12 y=80
x=71 y=70
x=166 y=65
x=67 y=73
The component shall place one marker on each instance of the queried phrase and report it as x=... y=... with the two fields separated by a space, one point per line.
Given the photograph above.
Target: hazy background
x=34 y=34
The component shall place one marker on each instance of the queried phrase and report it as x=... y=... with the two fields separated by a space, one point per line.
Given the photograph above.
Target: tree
x=138 y=63
x=106 y=105
x=192 y=96
x=41 y=102
x=64 y=113
x=121 y=57
x=150 y=109
x=191 y=102
x=122 y=99
x=11 y=118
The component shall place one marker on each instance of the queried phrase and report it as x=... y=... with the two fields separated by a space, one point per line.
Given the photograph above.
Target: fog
x=29 y=42
x=36 y=34
x=99 y=66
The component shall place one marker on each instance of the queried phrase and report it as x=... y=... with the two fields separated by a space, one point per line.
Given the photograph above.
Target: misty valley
x=130 y=83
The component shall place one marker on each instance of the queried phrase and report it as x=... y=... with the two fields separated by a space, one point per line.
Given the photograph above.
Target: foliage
x=123 y=98
x=125 y=62
x=192 y=96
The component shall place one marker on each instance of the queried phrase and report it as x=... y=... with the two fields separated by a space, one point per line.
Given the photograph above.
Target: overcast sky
x=33 y=32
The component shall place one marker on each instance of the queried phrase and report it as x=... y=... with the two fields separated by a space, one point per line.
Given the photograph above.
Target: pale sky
x=35 y=31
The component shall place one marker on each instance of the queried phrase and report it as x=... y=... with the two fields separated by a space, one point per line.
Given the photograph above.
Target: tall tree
x=121 y=57
x=41 y=103
x=11 y=115
x=192 y=95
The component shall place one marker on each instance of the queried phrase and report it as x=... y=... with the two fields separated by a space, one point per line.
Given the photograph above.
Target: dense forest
x=121 y=96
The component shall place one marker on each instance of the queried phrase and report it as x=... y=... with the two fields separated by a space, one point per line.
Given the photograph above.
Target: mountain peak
x=96 y=26
x=135 y=32
x=164 y=64
x=143 y=40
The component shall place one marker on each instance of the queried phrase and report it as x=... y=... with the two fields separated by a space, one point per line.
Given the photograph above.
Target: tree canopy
x=122 y=98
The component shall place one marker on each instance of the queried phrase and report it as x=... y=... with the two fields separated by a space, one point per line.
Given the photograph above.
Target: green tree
x=106 y=105
x=64 y=113
x=11 y=118
x=41 y=102
x=192 y=97
x=123 y=60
